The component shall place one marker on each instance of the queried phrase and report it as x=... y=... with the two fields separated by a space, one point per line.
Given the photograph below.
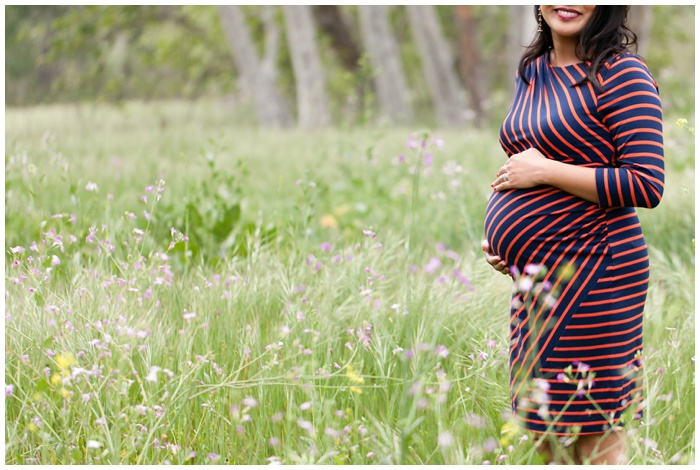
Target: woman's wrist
x=549 y=169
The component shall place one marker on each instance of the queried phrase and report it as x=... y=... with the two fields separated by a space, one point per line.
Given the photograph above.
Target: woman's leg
x=553 y=451
x=609 y=448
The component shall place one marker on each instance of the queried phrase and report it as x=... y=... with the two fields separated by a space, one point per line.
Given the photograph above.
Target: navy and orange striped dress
x=580 y=269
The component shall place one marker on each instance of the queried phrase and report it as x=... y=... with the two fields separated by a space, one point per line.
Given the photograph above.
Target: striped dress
x=580 y=269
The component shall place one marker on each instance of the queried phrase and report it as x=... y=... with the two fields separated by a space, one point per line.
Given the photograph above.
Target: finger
x=485 y=245
x=493 y=261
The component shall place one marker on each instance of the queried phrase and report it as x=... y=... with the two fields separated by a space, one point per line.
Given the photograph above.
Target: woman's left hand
x=522 y=170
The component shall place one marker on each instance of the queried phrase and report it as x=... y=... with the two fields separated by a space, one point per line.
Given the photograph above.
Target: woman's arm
x=531 y=168
x=630 y=108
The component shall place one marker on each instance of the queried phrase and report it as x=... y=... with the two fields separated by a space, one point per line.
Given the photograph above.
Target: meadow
x=183 y=288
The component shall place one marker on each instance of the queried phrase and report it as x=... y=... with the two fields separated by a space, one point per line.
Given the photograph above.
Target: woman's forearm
x=577 y=180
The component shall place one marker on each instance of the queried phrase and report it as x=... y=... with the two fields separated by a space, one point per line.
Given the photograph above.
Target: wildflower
x=532 y=269
x=305 y=406
x=441 y=351
x=55 y=260
x=508 y=432
x=582 y=367
x=433 y=265
x=354 y=389
x=93 y=444
x=445 y=439
x=525 y=284
x=353 y=376
x=153 y=374
x=189 y=315
x=65 y=360
x=370 y=455
x=325 y=246
x=90 y=186
x=328 y=221
x=17 y=249
x=305 y=425
x=369 y=233
x=9 y=389
x=277 y=417
x=250 y=402
x=542 y=384
x=490 y=444
x=213 y=457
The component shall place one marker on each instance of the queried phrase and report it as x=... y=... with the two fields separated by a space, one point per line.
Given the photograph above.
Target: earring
x=539 y=20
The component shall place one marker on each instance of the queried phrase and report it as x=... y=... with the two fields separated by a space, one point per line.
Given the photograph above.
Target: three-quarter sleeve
x=631 y=109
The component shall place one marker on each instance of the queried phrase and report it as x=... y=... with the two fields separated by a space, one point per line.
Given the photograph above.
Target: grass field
x=183 y=290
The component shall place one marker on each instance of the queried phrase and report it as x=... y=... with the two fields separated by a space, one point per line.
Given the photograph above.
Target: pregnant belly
x=542 y=225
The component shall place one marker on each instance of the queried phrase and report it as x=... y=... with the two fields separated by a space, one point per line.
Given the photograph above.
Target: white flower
x=250 y=402
x=91 y=186
x=153 y=374
x=445 y=439
x=94 y=444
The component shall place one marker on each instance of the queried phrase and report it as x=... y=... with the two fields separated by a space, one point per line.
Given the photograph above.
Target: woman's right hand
x=493 y=259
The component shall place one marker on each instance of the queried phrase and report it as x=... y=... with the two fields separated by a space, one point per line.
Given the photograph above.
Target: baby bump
x=539 y=225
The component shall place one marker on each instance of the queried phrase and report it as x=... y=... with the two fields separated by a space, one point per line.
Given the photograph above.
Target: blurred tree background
x=308 y=66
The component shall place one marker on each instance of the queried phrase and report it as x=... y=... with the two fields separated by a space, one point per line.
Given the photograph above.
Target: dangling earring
x=539 y=20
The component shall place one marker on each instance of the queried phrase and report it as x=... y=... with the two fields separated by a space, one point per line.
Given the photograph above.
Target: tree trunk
x=639 y=21
x=385 y=60
x=437 y=63
x=470 y=64
x=312 y=101
x=330 y=20
x=258 y=75
x=522 y=28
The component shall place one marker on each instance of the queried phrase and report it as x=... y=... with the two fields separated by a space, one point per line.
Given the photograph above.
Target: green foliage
x=317 y=343
x=116 y=53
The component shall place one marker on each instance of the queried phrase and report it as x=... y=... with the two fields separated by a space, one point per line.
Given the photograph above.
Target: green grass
x=297 y=351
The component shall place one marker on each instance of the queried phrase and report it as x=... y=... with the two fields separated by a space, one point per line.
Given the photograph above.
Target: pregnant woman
x=585 y=146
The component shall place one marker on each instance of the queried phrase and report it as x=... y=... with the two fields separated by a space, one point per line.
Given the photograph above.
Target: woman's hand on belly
x=494 y=260
x=531 y=168
x=522 y=170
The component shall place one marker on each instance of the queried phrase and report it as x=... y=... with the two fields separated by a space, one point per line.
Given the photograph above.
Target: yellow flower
x=353 y=376
x=65 y=393
x=32 y=427
x=356 y=390
x=56 y=379
x=509 y=431
x=566 y=271
x=65 y=360
x=328 y=221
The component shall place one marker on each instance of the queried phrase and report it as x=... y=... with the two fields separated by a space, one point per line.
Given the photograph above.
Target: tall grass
x=344 y=313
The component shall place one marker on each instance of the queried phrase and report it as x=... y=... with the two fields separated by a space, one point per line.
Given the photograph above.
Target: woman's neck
x=564 y=52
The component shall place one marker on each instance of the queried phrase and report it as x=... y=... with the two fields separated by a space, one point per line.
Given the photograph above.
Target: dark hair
x=605 y=34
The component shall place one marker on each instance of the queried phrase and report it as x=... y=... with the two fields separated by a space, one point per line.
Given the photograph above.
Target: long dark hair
x=605 y=35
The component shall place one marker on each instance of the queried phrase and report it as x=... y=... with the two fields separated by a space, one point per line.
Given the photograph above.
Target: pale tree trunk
x=639 y=21
x=470 y=65
x=312 y=101
x=437 y=63
x=384 y=57
x=259 y=75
